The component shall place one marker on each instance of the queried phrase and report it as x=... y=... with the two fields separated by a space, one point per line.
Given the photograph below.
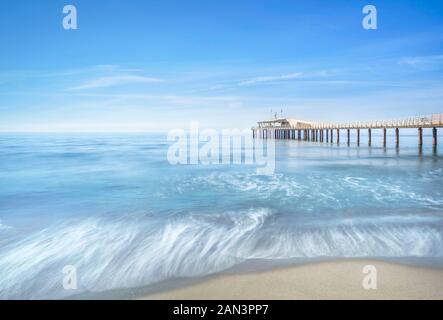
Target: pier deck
x=286 y=128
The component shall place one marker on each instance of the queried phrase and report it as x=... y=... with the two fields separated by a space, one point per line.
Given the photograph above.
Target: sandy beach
x=324 y=280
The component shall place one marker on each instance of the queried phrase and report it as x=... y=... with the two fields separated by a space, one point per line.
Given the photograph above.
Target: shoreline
x=341 y=279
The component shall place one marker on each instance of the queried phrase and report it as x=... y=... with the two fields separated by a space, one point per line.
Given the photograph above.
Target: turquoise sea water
x=112 y=206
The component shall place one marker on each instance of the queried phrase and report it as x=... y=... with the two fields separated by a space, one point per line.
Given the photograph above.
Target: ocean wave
x=315 y=190
x=131 y=252
x=122 y=253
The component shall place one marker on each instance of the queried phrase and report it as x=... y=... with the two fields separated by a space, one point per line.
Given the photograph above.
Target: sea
x=106 y=215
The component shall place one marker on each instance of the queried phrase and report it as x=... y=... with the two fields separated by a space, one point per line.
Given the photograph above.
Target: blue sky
x=156 y=65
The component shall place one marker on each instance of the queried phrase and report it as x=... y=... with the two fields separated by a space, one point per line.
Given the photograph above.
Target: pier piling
x=434 y=136
x=370 y=137
x=420 y=136
x=397 y=137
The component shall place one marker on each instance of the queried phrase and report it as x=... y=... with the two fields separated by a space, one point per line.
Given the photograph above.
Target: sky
x=149 y=65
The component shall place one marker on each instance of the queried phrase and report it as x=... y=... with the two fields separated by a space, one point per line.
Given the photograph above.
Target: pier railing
x=431 y=121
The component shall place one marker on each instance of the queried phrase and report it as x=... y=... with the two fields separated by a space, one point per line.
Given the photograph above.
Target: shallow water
x=113 y=207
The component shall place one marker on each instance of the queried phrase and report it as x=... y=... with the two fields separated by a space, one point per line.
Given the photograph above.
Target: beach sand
x=324 y=280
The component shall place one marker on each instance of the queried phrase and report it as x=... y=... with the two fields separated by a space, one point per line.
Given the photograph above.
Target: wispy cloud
x=422 y=60
x=311 y=75
x=16 y=76
x=111 y=81
x=284 y=77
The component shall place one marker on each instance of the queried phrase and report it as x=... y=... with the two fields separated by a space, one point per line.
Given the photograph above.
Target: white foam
x=315 y=189
x=128 y=253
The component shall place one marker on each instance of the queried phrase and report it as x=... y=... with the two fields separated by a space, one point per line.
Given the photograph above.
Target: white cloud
x=289 y=76
x=110 y=81
x=422 y=60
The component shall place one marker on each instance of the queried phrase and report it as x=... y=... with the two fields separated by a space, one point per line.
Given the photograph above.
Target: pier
x=293 y=129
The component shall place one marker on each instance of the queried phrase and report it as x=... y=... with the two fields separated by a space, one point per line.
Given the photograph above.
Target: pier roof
x=284 y=122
